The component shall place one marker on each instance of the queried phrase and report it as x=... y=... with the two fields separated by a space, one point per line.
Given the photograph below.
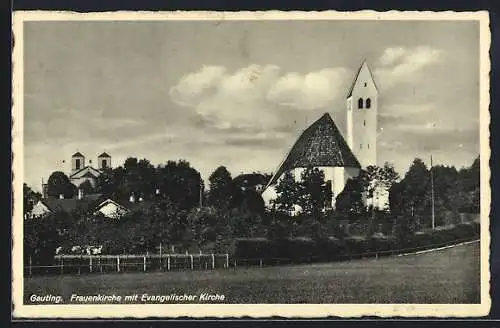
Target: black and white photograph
x=216 y=164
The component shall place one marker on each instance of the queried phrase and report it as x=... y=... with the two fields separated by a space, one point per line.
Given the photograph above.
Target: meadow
x=446 y=276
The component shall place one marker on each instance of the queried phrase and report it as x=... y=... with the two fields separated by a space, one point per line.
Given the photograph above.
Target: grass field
x=446 y=276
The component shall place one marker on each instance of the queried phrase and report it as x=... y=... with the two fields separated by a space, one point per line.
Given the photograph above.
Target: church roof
x=321 y=144
x=103 y=155
x=349 y=94
x=77 y=154
x=354 y=80
x=87 y=171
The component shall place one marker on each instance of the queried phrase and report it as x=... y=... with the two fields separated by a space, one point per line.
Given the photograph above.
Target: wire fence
x=88 y=264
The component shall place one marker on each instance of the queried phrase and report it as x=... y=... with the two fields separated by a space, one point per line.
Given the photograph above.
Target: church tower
x=77 y=162
x=103 y=161
x=362 y=108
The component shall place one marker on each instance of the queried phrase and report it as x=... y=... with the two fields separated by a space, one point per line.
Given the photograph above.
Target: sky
x=239 y=93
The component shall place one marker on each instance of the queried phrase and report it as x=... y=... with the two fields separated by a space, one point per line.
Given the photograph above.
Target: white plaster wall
x=337 y=175
x=78 y=181
x=39 y=209
x=111 y=210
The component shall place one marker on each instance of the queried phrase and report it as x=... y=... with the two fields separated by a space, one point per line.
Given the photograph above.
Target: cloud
x=405 y=64
x=194 y=86
x=256 y=95
x=309 y=91
x=391 y=55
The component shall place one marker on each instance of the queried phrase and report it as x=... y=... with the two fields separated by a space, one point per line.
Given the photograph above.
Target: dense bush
x=304 y=249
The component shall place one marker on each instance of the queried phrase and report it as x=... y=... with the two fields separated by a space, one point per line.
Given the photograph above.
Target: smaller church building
x=323 y=146
x=82 y=172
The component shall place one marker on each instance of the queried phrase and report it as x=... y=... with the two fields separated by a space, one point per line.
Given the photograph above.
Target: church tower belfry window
x=360 y=103
x=368 y=103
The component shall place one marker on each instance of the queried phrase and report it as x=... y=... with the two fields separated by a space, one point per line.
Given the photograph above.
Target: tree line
x=177 y=210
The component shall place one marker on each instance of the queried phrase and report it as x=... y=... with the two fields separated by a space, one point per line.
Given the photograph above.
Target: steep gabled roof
x=321 y=144
x=103 y=155
x=354 y=80
x=363 y=63
x=77 y=154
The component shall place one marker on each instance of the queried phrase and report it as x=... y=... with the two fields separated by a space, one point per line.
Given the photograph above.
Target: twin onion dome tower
x=323 y=146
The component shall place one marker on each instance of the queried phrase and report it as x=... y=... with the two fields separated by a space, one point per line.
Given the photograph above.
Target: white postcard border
x=249 y=310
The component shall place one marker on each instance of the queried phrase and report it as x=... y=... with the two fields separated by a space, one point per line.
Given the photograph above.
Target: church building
x=81 y=172
x=322 y=145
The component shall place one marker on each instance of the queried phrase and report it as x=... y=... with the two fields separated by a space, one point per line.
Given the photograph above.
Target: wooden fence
x=71 y=264
x=80 y=264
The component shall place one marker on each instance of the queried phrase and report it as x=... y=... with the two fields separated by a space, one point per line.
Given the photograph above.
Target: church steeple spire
x=362 y=108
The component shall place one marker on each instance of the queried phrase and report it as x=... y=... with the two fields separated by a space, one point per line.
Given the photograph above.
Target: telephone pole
x=201 y=192
x=432 y=196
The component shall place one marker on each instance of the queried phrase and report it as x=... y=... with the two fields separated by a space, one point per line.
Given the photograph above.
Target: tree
x=180 y=183
x=59 y=184
x=105 y=183
x=287 y=191
x=350 y=200
x=43 y=236
x=86 y=187
x=221 y=188
x=30 y=197
x=413 y=201
x=202 y=224
x=315 y=194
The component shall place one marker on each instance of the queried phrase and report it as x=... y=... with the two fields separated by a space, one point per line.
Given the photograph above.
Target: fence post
x=118 y=264
x=235 y=263
x=260 y=263
x=100 y=265
x=29 y=268
x=90 y=264
x=227 y=260
x=168 y=262
x=213 y=261
x=144 y=263
x=192 y=264
x=160 y=259
x=61 y=264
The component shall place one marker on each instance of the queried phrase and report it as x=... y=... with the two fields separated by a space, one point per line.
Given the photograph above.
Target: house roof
x=77 y=154
x=103 y=155
x=70 y=204
x=321 y=144
x=84 y=172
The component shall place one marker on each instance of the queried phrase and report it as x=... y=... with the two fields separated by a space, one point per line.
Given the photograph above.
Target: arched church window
x=368 y=103
x=360 y=103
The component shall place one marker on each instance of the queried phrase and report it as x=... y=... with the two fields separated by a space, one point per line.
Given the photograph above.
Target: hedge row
x=299 y=249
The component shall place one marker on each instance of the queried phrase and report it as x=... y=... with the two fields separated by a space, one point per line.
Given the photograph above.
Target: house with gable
x=46 y=206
